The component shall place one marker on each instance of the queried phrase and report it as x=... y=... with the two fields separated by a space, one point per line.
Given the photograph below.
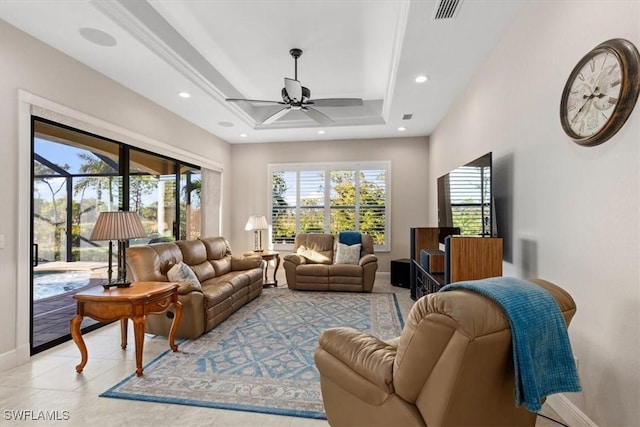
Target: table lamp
x=257 y=223
x=120 y=226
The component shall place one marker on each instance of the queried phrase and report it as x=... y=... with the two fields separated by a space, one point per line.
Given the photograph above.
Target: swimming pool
x=51 y=283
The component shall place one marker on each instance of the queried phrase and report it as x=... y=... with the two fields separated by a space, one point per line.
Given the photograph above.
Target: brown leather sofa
x=311 y=267
x=227 y=282
x=451 y=366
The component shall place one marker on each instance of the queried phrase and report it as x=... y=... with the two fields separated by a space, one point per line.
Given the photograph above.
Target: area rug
x=261 y=358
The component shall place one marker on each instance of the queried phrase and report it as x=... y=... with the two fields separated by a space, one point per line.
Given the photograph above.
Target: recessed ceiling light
x=321 y=132
x=226 y=124
x=421 y=78
x=184 y=94
x=402 y=129
x=98 y=37
x=243 y=135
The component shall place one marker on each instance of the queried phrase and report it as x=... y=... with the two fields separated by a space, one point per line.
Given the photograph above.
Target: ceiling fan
x=296 y=97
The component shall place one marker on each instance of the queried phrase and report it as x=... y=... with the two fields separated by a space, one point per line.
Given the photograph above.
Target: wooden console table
x=134 y=302
x=469 y=258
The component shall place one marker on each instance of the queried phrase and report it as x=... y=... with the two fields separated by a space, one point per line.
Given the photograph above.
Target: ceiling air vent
x=407 y=117
x=447 y=9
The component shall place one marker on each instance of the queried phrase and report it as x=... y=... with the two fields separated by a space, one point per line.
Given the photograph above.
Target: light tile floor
x=49 y=383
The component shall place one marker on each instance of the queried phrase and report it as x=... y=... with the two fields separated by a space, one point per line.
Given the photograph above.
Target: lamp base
x=258 y=250
x=117 y=284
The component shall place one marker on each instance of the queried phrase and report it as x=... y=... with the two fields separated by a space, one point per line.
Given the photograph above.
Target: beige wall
x=409 y=173
x=574 y=211
x=27 y=64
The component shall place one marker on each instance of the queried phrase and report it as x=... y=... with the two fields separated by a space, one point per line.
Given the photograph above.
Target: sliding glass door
x=76 y=176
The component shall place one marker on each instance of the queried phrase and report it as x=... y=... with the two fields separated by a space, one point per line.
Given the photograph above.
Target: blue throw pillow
x=349 y=238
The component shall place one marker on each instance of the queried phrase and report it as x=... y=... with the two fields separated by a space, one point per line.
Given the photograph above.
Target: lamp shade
x=119 y=225
x=256 y=222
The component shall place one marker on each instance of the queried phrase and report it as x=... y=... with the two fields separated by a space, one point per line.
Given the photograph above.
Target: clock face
x=601 y=92
x=594 y=93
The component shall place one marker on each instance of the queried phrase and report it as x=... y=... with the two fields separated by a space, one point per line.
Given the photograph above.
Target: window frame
x=327 y=168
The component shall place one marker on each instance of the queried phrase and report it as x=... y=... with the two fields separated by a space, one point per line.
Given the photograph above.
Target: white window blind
x=329 y=198
x=470 y=191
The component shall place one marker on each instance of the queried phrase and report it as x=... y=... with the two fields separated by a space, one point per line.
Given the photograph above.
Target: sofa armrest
x=295 y=258
x=246 y=263
x=187 y=287
x=367 y=259
x=365 y=354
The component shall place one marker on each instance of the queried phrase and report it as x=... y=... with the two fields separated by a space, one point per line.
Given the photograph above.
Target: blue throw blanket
x=349 y=237
x=542 y=356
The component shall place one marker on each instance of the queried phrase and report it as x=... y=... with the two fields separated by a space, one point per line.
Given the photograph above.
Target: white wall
x=29 y=65
x=574 y=211
x=409 y=174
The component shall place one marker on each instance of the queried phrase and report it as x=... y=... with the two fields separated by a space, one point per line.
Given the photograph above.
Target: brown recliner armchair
x=451 y=366
x=312 y=266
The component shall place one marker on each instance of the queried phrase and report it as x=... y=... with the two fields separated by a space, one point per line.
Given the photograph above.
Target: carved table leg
x=275 y=281
x=123 y=332
x=138 y=331
x=174 y=325
x=77 y=338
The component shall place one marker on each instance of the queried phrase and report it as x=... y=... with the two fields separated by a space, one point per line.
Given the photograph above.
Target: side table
x=134 y=302
x=268 y=256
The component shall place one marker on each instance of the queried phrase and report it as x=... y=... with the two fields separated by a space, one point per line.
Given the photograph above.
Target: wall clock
x=601 y=92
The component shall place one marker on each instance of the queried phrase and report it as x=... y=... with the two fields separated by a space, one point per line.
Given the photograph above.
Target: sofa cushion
x=345 y=270
x=169 y=254
x=182 y=273
x=348 y=254
x=316 y=248
x=193 y=251
x=143 y=264
x=313 y=270
x=216 y=291
x=217 y=247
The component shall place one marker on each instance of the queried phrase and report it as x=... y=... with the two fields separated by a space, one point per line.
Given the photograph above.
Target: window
x=470 y=191
x=329 y=198
x=75 y=176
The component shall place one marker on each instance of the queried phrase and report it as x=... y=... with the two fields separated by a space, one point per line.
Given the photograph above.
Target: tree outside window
x=329 y=199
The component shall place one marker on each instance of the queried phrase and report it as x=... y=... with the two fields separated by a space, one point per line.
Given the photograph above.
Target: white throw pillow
x=348 y=254
x=182 y=273
x=313 y=256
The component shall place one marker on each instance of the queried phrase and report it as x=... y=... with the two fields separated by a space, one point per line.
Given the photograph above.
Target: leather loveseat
x=312 y=266
x=451 y=366
x=226 y=282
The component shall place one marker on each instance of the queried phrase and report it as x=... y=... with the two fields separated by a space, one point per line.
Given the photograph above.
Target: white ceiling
x=216 y=49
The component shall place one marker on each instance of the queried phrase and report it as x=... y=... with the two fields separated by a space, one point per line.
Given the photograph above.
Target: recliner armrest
x=187 y=287
x=367 y=259
x=246 y=263
x=295 y=258
x=365 y=354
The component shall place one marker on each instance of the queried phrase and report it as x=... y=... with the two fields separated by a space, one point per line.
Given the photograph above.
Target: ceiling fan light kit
x=298 y=98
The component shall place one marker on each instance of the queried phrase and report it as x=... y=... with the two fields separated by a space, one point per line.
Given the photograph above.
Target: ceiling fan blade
x=294 y=89
x=316 y=115
x=254 y=101
x=275 y=116
x=336 y=102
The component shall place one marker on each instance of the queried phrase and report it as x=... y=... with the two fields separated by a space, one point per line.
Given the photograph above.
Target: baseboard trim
x=383 y=275
x=15 y=357
x=568 y=411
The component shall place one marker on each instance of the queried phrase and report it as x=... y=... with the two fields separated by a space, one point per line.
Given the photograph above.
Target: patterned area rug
x=261 y=358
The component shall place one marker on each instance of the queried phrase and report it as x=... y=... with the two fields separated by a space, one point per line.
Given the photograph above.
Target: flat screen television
x=465 y=199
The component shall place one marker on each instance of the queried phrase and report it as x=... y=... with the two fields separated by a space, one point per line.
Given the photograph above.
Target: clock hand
x=589 y=98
